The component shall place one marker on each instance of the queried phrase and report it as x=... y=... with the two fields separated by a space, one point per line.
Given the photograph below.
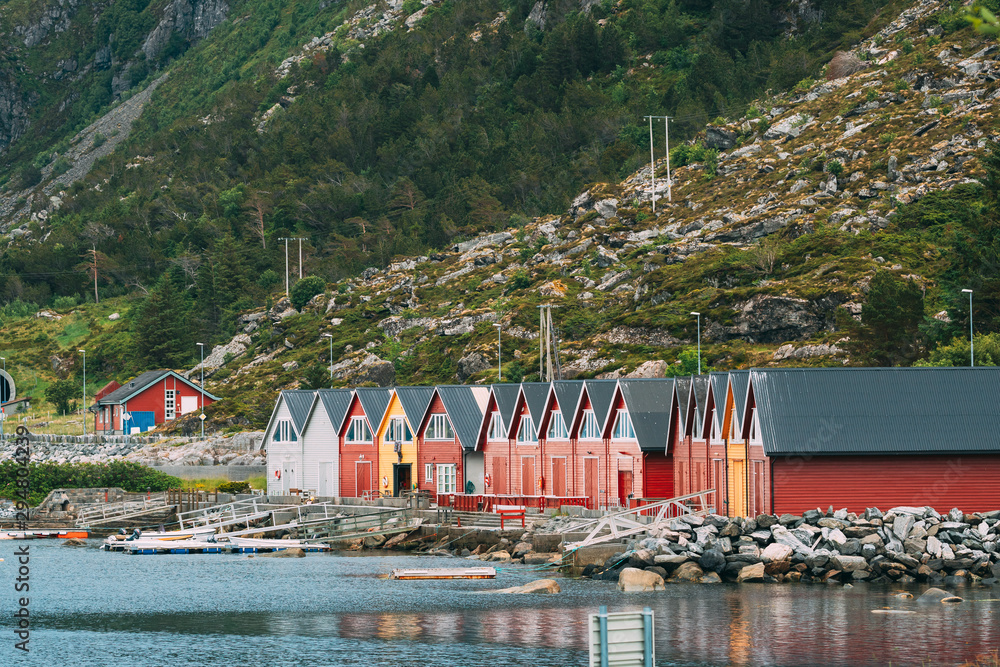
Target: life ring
x=489 y=480
x=385 y=482
x=277 y=474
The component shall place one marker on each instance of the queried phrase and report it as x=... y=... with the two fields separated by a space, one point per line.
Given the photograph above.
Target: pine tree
x=161 y=328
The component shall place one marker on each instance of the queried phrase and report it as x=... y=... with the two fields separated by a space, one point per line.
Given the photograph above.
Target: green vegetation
x=60 y=393
x=306 y=289
x=44 y=477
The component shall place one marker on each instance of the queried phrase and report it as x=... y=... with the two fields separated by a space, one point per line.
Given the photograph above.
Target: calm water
x=95 y=608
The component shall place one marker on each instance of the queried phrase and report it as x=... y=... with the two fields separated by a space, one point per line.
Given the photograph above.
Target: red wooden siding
x=856 y=482
x=353 y=477
x=658 y=475
x=152 y=399
x=437 y=452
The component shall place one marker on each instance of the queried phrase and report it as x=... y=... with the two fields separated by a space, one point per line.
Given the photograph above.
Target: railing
x=103 y=512
x=464 y=502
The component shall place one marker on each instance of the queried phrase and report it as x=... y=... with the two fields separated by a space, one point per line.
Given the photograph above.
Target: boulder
x=634 y=580
x=712 y=559
x=719 y=138
x=540 y=559
x=657 y=570
x=849 y=563
x=471 y=364
x=688 y=572
x=540 y=587
x=753 y=572
x=75 y=542
x=776 y=552
x=670 y=561
x=642 y=558
x=934 y=595
x=520 y=549
x=499 y=557
x=285 y=553
x=901 y=526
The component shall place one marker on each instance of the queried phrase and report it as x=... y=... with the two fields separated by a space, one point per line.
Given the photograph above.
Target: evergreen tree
x=890 y=320
x=161 y=327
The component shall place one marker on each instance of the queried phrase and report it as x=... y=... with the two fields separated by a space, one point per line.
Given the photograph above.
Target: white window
x=526 y=431
x=589 y=430
x=399 y=430
x=169 y=406
x=623 y=427
x=496 y=428
x=557 y=427
x=439 y=428
x=359 y=430
x=446 y=478
x=429 y=473
x=283 y=432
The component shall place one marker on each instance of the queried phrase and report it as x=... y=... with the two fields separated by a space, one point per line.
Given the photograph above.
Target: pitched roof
x=299 y=401
x=648 y=401
x=336 y=402
x=740 y=381
x=701 y=383
x=106 y=389
x=683 y=387
x=374 y=401
x=414 y=401
x=601 y=393
x=536 y=395
x=719 y=382
x=506 y=398
x=567 y=395
x=877 y=410
x=463 y=411
x=142 y=382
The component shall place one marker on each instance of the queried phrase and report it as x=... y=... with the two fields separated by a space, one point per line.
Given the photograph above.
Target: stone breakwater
x=903 y=545
x=236 y=449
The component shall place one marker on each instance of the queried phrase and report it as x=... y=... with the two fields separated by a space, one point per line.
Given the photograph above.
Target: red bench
x=510 y=512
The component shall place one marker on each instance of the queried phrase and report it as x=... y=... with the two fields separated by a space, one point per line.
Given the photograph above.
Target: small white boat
x=174 y=546
x=201 y=534
x=260 y=543
x=445 y=573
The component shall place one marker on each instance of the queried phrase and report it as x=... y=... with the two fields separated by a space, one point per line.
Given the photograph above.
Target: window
x=446 y=478
x=589 y=430
x=496 y=428
x=399 y=430
x=429 y=473
x=359 y=431
x=557 y=427
x=439 y=428
x=623 y=427
x=283 y=432
x=526 y=431
x=169 y=407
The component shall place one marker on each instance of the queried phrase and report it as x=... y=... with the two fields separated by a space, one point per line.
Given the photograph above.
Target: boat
x=202 y=534
x=61 y=534
x=260 y=543
x=141 y=546
x=445 y=573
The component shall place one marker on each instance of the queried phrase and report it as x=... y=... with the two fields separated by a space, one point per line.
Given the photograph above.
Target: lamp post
x=84 y=391
x=330 y=336
x=698 y=315
x=499 y=352
x=3 y=415
x=201 y=416
x=972 y=345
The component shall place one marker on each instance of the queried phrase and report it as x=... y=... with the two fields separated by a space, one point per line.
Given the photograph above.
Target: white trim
x=583 y=424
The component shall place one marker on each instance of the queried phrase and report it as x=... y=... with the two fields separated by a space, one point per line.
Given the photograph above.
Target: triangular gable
x=700 y=386
x=299 y=402
x=374 y=401
x=143 y=382
x=336 y=403
x=415 y=401
x=601 y=394
x=650 y=403
x=682 y=385
x=719 y=382
x=567 y=395
x=462 y=407
x=739 y=381
x=535 y=395
x=505 y=396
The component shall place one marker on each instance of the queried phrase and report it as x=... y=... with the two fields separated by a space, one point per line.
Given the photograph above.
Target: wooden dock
x=445 y=573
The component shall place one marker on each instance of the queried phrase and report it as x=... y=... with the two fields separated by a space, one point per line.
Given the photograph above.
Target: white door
x=288 y=477
x=325 y=480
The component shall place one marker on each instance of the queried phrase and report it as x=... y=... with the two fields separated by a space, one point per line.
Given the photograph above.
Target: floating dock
x=445 y=573
x=38 y=534
x=149 y=547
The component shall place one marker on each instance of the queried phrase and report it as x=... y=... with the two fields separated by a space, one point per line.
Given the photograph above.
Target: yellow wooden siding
x=386 y=455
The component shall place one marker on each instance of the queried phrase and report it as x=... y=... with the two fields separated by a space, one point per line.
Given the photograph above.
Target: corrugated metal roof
x=740 y=381
x=506 y=398
x=683 y=387
x=298 y=401
x=719 y=382
x=878 y=410
x=133 y=386
x=464 y=412
x=535 y=397
x=701 y=383
x=648 y=402
x=601 y=393
x=336 y=402
x=414 y=401
x=374 y=401
x=567 y=395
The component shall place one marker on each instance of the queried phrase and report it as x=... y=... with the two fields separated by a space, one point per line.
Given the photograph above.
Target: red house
x=446 y=437
x=642 y=430
x=494 y=440
x=558 y=450
x=151 y=399
x=358 y=446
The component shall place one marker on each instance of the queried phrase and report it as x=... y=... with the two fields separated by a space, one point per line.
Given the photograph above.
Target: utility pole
x=94 y=254
x=652 y=167
x=330 y=336
x=300 y=240
x=84 y=391
x=201 y=415
x=286 y=240
x=546 y=343
x=499 y=355
x=652 y=162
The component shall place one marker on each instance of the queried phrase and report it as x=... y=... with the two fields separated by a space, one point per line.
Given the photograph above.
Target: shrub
x=234 y=487
x=886 y=138
x=306 y=289
x=521 y=280
x=29 y=177
x=835 y=167
x=61 y=166
x=871 y=95
x=64 y=302
x=269 y=279
x=844 y=63
x=99 y=140
x=901 y=85
x=44 y=477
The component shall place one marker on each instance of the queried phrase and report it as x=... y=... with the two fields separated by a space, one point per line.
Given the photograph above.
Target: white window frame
x=447 y=478
x=624 y=429
x=169 y=404
x=283 y=432
x=495 y=431
x=398 y=430
x=366 y=430
x=589 y=430
x=560 y=433
x=526 y=433
x=429 y=473
x=439 y=428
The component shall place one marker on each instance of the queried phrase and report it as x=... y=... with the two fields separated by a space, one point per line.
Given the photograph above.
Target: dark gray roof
x=878 y=410
x=336 y=402
x=648 y=402
x=741 y=382
x=143 y=381
x=536 y=394
x=720 y=383
x=298 y=401
x=464 y=413
x=701 y=383
x=567 y=395
x=414 y=401
x=601 y=393
x=506 y=399
x=683 y=387
x=374 y=401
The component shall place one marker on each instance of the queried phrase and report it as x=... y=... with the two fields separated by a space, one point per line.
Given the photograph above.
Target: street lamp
x=3 y=415
x=699 y=339
x=330 y=336
x=201 y=417
x=84 y=390
x=972 y=345
x=499 y=351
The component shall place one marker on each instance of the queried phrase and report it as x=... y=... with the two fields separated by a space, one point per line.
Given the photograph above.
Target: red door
x=499 y=475
x=363 y=473
x=624 y=487
x=559 y=477
x=590 y=477
x=527 y=475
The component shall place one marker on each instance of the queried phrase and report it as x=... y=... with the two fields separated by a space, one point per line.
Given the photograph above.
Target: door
x=738 y=486
x=400 y=478
x=325 y=489
x=363 y=477
x=288 y=477
x=527 y=475
x=717 y=483
x=559 y=477
x=590 y=481
x=499 y=475
x=758 y=488
x=624 y=487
